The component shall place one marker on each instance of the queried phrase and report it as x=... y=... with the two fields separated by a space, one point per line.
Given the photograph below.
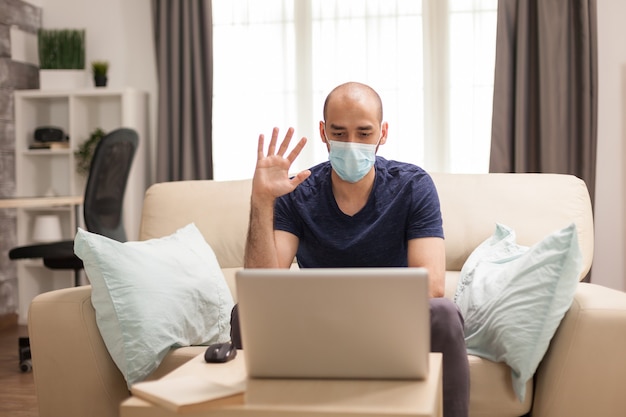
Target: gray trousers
x=446 y=336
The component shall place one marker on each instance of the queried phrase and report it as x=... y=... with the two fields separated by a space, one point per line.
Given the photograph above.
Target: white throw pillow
x=514 y=297
x=156 y=294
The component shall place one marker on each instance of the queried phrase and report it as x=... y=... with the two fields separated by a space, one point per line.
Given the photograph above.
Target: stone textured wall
x=14 y=75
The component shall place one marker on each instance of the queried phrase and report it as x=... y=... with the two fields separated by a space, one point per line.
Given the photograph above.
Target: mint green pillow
x=513 y=298
x=153 y=295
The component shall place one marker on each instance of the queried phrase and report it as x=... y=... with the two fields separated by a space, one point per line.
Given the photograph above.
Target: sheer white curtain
x=276 y=60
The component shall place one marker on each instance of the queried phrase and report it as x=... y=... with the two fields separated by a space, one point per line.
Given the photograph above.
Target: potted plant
x=99 y=69
x=61 y=48
x=85 y=151
x=61 y=58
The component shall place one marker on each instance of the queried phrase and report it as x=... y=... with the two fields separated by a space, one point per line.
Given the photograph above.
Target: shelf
x=47 y=152
x=87 y=92
x=39 y=210
x=39 y=171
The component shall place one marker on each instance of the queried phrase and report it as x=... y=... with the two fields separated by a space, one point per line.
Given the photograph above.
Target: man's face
x=349 y=120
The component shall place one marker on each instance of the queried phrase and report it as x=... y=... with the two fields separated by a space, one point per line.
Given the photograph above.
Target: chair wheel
x=26 y=365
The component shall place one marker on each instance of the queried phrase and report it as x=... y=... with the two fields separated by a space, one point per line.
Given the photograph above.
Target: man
x=356 y=210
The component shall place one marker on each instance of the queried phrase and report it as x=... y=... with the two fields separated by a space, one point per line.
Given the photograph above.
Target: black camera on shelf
x=50 y=134
x=48 y=137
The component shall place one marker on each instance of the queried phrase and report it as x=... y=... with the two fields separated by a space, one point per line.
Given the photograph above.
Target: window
x=275 y=61
x=472 y=63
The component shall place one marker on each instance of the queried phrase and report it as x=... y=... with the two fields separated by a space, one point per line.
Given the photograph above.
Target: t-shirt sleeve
x=286 y=217
x=425 y=218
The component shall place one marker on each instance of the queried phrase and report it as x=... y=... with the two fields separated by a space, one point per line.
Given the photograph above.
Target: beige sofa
x=583 y=373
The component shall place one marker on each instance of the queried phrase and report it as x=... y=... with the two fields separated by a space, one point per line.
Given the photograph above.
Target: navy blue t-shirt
x=403 y=205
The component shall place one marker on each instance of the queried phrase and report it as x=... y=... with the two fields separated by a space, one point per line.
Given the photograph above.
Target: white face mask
x=351 y=161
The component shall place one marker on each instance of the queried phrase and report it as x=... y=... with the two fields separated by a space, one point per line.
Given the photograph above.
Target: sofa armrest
x=74 y=373
x=584 y=370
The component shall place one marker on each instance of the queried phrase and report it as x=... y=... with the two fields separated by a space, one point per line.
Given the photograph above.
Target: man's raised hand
x=271 y=176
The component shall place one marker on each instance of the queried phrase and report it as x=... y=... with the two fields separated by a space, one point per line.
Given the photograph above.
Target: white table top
x=33 y=202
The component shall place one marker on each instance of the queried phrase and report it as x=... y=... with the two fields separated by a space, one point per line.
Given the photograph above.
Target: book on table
x=190 y=393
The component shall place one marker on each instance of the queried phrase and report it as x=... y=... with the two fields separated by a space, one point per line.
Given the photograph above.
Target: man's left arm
x=430 y=253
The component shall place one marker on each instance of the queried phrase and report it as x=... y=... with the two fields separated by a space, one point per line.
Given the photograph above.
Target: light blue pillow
x=156 y=294
x=514 y=297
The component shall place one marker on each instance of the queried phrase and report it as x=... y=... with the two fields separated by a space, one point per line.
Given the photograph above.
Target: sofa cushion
x=491 y=390
x=514 y=297
x=150 y=296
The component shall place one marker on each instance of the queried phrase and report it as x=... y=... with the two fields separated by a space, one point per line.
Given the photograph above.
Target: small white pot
x=68 y=79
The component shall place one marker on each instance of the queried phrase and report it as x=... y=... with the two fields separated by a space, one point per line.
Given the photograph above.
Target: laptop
x=348 y=323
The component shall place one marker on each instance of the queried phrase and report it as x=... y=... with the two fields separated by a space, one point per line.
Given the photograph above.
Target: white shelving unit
x=45 y=172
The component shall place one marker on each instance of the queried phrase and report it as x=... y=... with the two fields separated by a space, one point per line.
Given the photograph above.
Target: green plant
x=85 y=152
x=100 y=68
x=61 y=48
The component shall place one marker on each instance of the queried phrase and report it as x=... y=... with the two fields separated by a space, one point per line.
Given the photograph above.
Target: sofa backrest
x=534 y=205
x=220 y=209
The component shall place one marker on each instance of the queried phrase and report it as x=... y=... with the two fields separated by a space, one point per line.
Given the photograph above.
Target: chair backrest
x=106 y=184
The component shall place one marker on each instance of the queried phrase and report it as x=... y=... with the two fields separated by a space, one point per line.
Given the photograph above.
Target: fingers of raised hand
x=296 y=150
x=272 y=146
x=260 y=147
x=300 y=177
x=284 y=145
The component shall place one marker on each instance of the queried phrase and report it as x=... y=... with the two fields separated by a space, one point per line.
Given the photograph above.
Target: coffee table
x=300 y=398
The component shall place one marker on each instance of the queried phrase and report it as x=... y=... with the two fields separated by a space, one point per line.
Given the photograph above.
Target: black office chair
x=102 y=210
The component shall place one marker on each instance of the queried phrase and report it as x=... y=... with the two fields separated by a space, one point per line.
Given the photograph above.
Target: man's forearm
x=260 y=251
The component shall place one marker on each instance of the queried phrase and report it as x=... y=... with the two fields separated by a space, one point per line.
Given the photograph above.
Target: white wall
x=610 y=209
x=121 y=31
x=118 y=31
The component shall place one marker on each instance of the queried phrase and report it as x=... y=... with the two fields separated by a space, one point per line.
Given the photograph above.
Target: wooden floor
x=17 y=389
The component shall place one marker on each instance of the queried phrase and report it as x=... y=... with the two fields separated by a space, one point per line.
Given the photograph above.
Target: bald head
x=353 y=92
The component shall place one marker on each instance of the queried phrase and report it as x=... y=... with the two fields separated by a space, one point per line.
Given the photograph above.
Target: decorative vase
x=57 y=79
x=100 y=80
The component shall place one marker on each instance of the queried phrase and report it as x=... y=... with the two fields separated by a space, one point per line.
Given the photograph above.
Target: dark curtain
x=545 y=92
x=183 y=40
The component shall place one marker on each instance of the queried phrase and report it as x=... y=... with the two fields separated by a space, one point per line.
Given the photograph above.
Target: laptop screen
x=335 y=323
